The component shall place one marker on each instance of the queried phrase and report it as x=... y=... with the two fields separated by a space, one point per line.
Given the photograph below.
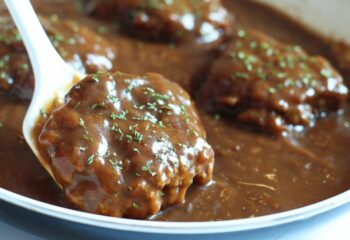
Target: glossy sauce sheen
x=126 y=145
x=254 y=174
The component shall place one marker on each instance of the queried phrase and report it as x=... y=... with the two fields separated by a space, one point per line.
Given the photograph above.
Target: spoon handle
x=53 y=77
x=34 y=37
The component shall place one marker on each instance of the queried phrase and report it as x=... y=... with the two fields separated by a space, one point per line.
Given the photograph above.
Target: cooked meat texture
x=272 y=85
x=126 y=145
x=203 y=20
x=80 y=46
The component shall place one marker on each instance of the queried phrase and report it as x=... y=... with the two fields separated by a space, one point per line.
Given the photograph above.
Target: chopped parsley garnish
x=147 y=168
x=77 y=105
x=326 y=73
x=86 y=135
x=154 y=95
x=97 y=105
x=43 y=113
x=116 y=163
x=116 y=129
x=272 y=90
x=135 y=205
x=96 y=76
x=261 y=74
x=281 y=75
x=53 y=18
x=102 y=29
x=135 y=135
x=121 y=116
x=25 y=66
x=90 y=160
x=112 y=98
x=129 y=137
x=241 y=75
x=241 y=33
x=160 y=124
x=217 y=117
x=82 y=123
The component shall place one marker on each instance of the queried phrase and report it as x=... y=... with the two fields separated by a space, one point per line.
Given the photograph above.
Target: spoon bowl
x=53 y=76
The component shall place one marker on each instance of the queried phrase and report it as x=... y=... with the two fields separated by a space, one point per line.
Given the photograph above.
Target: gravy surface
x=255 y=174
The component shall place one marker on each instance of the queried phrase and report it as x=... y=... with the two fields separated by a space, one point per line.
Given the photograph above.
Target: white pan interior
x=330 y=18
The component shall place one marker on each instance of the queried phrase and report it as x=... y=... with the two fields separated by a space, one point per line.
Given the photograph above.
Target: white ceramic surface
x=277 y=226
x=328 y=17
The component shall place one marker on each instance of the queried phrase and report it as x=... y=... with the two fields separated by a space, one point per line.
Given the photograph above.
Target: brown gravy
x=255 y=174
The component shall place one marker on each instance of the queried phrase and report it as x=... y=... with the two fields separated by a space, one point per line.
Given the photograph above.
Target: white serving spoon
x=53 y=76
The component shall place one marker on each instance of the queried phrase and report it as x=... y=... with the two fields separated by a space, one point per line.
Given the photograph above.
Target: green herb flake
x=116 y=163
x=241 y=55
x=135 y=205
x=116 y=129
x=59 y=38
x=102 y=29
x=261 y=74
x=112 y=98
x=137 y=136
x=43 y=113
x=82 y=123
x=282 y=64
x=217 y=117
x=253 y=45
x=129 y=137
x=242 y=75
x=97 y=105
x=241 y=33
x=154 y=95
x=121 y=116
x=326 y=73
x=96 y=76
x=239 y=44
x=87 y=137
x=77 y=105
x=147 y=168
x=53 y=18
x=161 y=124
x=71 y=41
x=182 y=108
x=281 y=75
x=90 y=160
x=272 y=90
x=25 y=66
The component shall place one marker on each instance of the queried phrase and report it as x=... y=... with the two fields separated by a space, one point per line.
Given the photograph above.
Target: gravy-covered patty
x=126 y=145
x=80 y=46
x=204 y=20
x=271 y=84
